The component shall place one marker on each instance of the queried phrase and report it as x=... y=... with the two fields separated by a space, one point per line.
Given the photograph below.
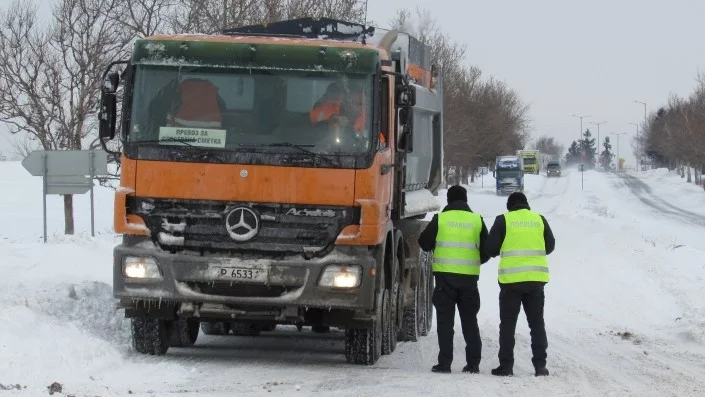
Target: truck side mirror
x=406 y=127
x=110 y=85
x=407 y=96
x=107 y=116
x=494 y=174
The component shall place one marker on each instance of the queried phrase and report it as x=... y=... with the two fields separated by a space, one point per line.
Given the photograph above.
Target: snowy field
x=625 y=312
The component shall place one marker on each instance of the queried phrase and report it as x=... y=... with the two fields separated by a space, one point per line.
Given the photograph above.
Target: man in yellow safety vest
x=456 y=236
x=522 y=238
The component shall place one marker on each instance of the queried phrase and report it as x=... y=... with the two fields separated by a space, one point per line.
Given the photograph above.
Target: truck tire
x=269 y=327
x=391 y=332
x=245 y=329
x=411 y=319
x=184 y=332
x=363 y=346
x=428 y=298
x=219 y=328
x=151 y=336
x=386 y=325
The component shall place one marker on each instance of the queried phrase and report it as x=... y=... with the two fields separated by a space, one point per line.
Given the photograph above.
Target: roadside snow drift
x=624 y=308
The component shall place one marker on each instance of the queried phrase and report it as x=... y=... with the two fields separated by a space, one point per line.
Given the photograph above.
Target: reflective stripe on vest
x=523 y=253
x=458 y=243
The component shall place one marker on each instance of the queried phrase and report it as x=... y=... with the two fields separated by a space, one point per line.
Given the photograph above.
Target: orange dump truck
x=275 y=174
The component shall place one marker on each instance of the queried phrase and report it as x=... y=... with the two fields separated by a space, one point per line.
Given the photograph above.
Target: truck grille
x=201 y=225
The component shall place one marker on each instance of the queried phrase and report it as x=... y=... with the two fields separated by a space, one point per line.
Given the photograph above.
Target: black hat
x=457 y=193
x=515 y=199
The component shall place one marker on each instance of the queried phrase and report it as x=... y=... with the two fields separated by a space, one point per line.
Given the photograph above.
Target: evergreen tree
x=606 y=156
x=573 y=155
x=587 y=150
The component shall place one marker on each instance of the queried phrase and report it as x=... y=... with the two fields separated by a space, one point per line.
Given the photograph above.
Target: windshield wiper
x=206 y=154
x=302 y=147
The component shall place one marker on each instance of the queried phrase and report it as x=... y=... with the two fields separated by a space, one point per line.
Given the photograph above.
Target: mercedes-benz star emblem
x=242 y=224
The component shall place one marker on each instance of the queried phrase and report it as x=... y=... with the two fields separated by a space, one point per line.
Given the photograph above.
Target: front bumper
x=190 y=283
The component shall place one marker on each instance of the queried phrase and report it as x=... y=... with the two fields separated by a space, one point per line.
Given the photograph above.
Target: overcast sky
x=578 y=57
x=574 y=57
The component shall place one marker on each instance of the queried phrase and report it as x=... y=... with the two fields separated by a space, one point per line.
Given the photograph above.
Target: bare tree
x=549 y=146
x=210 y=16
x=50 y=73
x=482 y=119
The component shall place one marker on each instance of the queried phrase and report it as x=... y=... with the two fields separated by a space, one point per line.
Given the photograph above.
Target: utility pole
x=638 y=151
x=598 y=141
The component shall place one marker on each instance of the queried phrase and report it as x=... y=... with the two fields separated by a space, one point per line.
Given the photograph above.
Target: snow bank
x=624 y=308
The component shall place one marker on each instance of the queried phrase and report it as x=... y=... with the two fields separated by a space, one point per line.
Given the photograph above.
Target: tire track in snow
x=643 y=192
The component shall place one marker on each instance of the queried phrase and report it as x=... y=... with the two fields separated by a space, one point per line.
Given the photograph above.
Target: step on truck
x=275 y=174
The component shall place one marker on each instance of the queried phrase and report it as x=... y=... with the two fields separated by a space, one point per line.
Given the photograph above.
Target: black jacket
x=499 y=231
x=427 y=240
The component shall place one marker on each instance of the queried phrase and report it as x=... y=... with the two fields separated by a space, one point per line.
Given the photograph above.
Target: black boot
x=473 y=369
x=441 y=368
x=542 y=371
x=503 y=371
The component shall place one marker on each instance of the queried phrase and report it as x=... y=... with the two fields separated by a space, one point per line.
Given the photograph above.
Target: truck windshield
x=233 y=109
x=529 y=160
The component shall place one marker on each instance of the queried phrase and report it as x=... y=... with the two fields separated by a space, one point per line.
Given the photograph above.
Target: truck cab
x=509 y=175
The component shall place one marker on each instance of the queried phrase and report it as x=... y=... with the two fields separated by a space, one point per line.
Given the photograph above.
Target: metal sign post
x=582 y=177
x=67 y=172
x=483 y=172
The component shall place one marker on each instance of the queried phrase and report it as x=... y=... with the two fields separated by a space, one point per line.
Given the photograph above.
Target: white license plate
x=241 y=274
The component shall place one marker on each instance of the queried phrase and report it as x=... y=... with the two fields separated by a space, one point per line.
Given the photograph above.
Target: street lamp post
x=638 y=152
x=598 y=141
x=618 y=134
x=581 y=125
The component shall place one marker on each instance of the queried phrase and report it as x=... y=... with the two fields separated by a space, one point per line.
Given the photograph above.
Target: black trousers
x=460 y=290
x=511 y=298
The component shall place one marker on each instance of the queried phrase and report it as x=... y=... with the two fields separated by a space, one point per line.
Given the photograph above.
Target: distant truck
x=530 y=161
x=508 y=174
x=553 y=168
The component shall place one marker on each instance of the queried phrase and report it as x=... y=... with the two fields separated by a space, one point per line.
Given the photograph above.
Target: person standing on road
x=456 y=236
x=522 y=238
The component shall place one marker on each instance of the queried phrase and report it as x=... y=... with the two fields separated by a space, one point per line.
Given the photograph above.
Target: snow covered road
x=624 y=309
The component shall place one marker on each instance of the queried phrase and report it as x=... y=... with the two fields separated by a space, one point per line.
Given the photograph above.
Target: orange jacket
x=326 y=110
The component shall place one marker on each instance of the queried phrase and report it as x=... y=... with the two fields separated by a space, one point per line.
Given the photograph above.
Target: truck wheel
x=151 y=336
x=411 y=320
x=428 y=316
x=387 y=325
x=391 y=333
x=363 y=346
x=184 y=332
x=219 y=328
x=245 y=329
x=269 y=327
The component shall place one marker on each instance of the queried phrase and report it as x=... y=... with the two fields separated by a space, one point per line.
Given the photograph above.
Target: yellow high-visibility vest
x=458 y=243
x=523 y=252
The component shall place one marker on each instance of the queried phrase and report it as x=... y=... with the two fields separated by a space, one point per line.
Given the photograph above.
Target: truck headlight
x=140 y=267
x=341 y=276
